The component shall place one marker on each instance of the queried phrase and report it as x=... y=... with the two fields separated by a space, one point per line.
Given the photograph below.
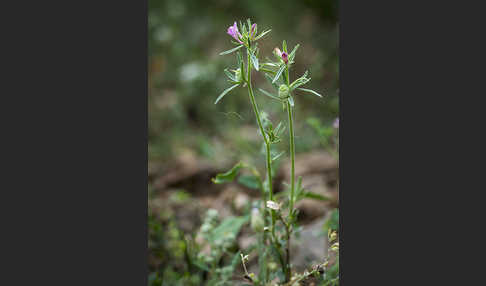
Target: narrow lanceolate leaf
x=284 y=46
x=230 y=75
x=225 y=92
x=270 y=80
x=278 y=156
x=228 y=176
x=292 y=54
x=262 y=34
x=230 y=51
x=270 y=65
x=310 y=91
x=269 y=94
x=279 y=73
x=254 y=60
x=300 y=81
x=267 y=71
x=242 y=66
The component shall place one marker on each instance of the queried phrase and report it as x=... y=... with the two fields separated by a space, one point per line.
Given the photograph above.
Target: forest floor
x=318 y=169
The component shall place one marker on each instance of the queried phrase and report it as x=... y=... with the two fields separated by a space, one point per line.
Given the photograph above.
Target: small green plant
x=274 y=219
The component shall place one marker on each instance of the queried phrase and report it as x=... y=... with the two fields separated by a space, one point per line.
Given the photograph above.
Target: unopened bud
x=238 y=74
x=285 y=57
x=283 y=91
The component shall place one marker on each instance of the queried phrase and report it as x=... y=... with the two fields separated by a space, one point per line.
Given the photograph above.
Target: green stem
x=265 y=139
x=292 y=158
x=292 y=175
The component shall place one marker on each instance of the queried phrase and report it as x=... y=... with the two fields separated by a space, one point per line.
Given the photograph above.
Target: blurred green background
x=186 y=72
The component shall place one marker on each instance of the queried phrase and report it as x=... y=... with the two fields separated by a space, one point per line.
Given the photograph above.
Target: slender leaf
x=277 y=128
x=224 y=93
x=278 y=155
x=231 y=76
x=270 y=65
x=242 y=28
x=230 y=51
x=269 y=94
x=292 y=54
x=242 y=66
x=262 y=34
x=270 y=80
x=300 y=81
x=284 y=46
x=310 y=91
x=279 y=73
x=267 y=70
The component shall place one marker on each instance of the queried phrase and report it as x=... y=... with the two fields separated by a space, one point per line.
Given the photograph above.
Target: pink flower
x=285 y=57
x=233 y=32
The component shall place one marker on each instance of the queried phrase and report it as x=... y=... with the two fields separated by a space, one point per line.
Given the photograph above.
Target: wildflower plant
x=275 y=218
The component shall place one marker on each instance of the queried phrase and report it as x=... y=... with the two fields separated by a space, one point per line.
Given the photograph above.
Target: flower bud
x=238 y=74
x=252 y=31
x=233 y=32
x=278 y=52
x=283 y=91
x=285 y=57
